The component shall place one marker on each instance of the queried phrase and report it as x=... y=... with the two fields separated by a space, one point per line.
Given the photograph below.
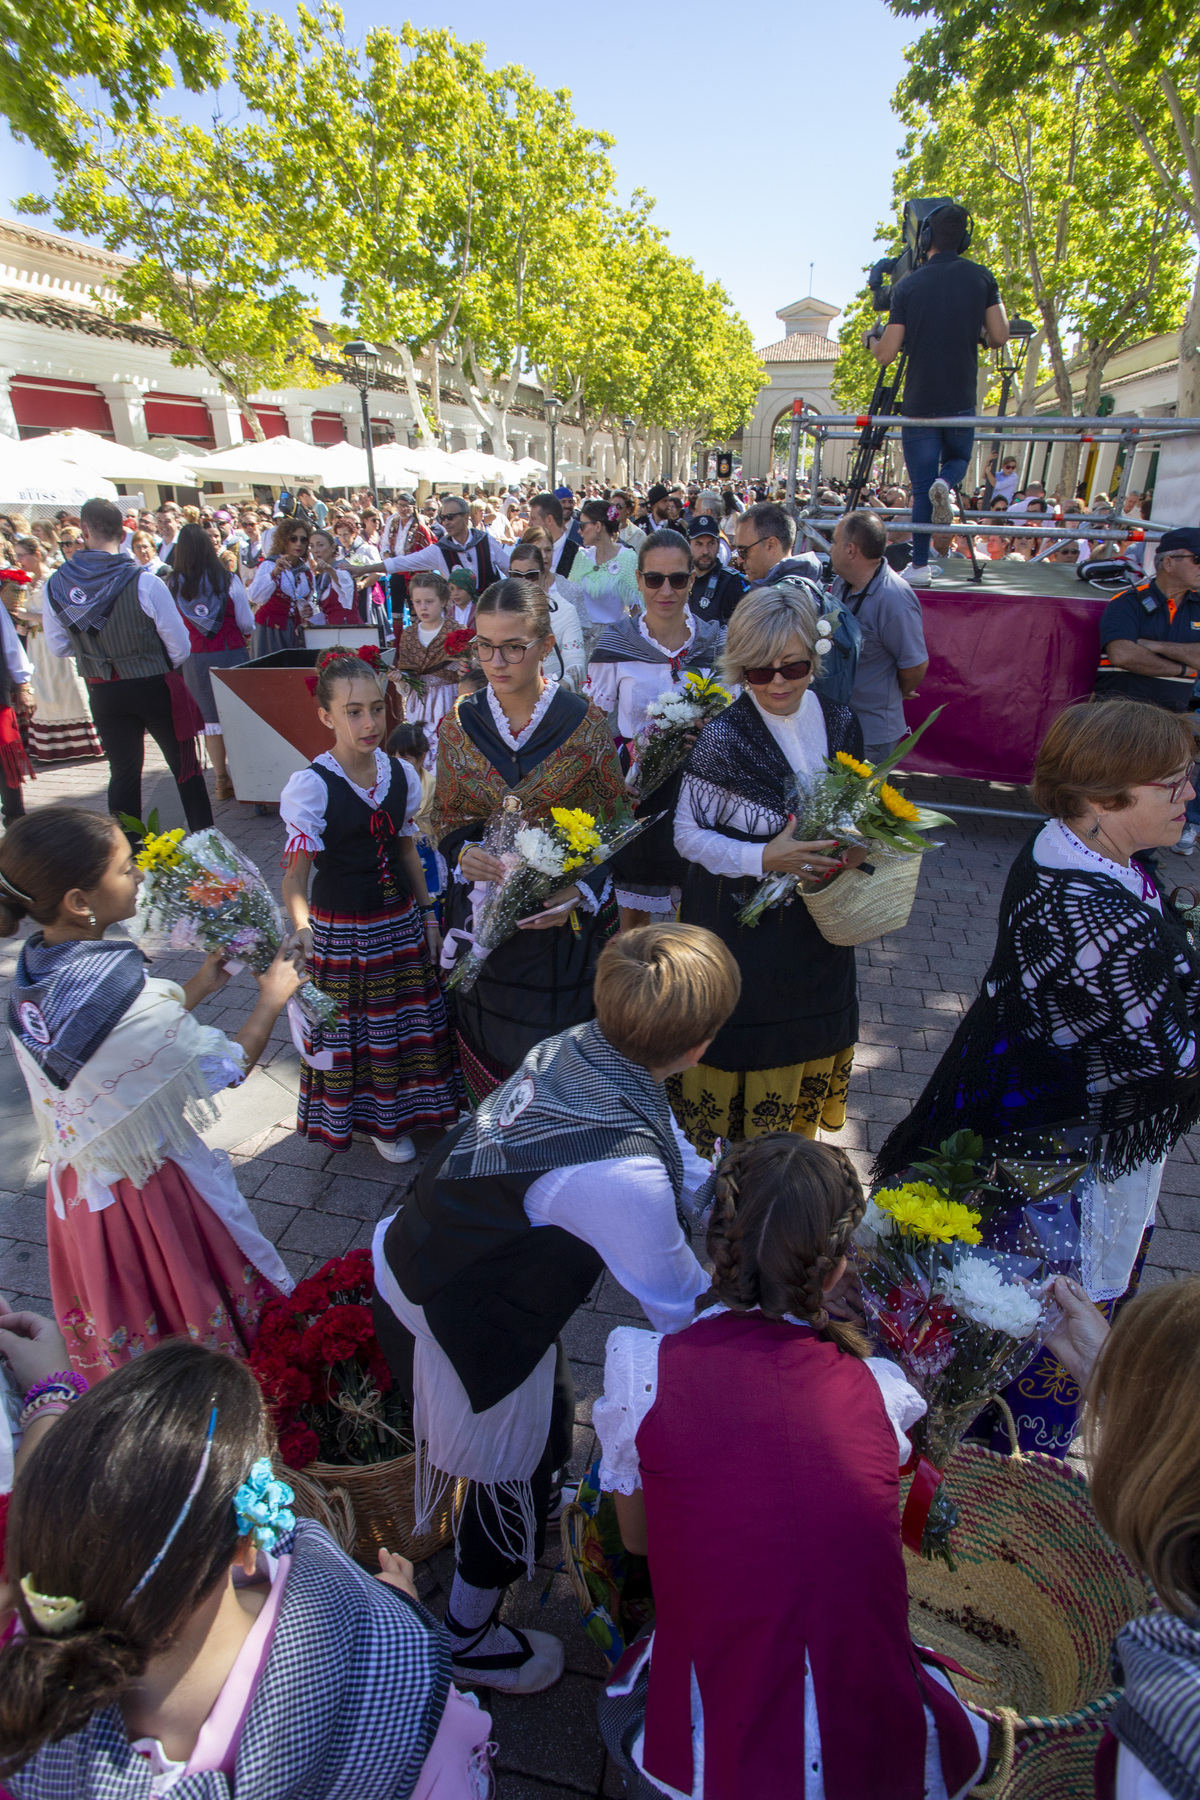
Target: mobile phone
x=550 y=912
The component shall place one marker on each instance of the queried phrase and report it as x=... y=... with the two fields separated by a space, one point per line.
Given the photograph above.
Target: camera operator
x=938 y=313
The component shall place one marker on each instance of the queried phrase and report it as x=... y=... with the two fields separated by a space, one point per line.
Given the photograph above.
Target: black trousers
x=479 y=1560
x=12 y=802
x=124 y=711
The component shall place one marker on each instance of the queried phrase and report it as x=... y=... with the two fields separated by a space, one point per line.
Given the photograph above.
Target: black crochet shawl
x=736 y=762
x=1087 y=1018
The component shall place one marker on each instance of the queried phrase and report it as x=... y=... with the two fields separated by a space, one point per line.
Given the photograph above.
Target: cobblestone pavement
x=914 y=988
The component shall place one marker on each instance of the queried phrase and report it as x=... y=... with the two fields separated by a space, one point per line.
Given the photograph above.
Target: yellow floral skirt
x=732 y=1104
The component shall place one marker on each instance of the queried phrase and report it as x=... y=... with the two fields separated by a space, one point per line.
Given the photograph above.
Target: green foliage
x=953 y=1168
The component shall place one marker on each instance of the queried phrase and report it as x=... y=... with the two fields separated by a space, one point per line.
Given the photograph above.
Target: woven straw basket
x=1039 y=1594
x=377 y=1499
x=856 y=907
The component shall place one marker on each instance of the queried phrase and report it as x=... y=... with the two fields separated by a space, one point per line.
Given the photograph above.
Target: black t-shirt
x=941 y=306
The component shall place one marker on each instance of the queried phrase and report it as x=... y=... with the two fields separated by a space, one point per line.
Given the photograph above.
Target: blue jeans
x=930 y=452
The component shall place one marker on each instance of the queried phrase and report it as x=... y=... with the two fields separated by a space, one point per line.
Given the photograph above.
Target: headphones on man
x=925 y=234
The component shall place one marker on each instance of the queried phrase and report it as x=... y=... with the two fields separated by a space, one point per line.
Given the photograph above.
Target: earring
x=1095 y=830
x=91 y=920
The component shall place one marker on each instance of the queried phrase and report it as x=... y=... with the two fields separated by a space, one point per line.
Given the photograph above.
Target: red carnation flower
x=457 y=642
x=298 y=1446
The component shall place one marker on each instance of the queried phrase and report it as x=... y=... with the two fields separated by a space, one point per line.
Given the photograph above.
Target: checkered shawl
x=1158 y=1716
x=347 y=1707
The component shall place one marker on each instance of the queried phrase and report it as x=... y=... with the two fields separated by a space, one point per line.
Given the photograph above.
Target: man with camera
x=939 y=313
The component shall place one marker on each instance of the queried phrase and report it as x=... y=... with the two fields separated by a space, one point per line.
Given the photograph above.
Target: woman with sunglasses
x=525 y=736
x=282 y=590
x=782 y=1061
x=634 y=662
x=1087 y=1028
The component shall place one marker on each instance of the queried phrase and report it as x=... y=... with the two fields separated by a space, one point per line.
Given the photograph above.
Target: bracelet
x=431 y=908
x=48 y=1407
x=66 y=1379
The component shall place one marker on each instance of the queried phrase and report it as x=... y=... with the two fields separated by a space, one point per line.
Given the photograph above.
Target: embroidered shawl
x=415 y=658
x=578 y=766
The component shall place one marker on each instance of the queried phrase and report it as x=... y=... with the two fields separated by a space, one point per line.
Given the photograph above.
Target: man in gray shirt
x=893 y=657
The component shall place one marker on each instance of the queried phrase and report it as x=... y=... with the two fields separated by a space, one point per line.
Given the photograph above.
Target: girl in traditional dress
x=411 y=745
x=333 y=601
x=281 y=589
x=61 y=730
x=784 y=1058
x=635 y=661
x=421 y=653
x=182 y=1626
x=148 y=1234
x=217 y=614
x=370 y=935
x=769 y=1415
x=527 y=736
x=463 y=594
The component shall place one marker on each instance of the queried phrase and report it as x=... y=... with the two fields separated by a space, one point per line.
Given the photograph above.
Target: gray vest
x=126 y=647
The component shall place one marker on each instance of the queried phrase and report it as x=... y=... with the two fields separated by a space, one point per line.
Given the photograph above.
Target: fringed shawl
x=415 y=658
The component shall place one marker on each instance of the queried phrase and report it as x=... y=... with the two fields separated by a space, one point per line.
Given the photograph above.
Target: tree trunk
x=1188 y=404
x=241 y=398
x=1029 y=376
x=420 y=417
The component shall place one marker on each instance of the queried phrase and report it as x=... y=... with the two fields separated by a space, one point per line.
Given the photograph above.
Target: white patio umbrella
x=436 y=465
x=119 y=462
x=276 y=459
x=42 y=484
x=395 y=466
x=344 y=465
x=529 y=465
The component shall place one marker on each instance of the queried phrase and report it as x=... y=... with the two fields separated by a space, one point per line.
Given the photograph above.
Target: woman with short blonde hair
x=782 y=1061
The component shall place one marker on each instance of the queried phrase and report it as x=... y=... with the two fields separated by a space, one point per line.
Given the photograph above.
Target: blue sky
x=765 y=133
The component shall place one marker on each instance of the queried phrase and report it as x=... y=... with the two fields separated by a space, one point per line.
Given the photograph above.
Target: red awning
x=272 y=421
x=328 y=428
x=43 y=405
x=181 y=416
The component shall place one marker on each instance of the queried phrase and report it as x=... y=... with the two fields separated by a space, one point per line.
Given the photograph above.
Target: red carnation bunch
x=19 y=576
x=458 y=642
x=371 y=654
x=325 y=1378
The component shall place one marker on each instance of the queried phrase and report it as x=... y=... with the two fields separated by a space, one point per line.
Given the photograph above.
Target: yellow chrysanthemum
x=852 y=763
x=704 y=687
x=578 y=829
x=895 y=802
x=919 y=1210
x=161 y=850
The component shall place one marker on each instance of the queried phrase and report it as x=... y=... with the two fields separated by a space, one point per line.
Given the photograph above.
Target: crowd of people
x=630 y=1059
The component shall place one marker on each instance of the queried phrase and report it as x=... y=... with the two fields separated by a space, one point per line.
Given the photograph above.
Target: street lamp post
x=552 y=407
x=627 y=428
x=362 y=364
x=672 y=440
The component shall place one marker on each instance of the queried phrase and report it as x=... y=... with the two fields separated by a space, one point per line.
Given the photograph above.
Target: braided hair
x=782 y=1219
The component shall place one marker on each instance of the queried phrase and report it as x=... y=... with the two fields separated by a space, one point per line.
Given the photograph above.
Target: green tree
x=192 y=209
x=131 y=48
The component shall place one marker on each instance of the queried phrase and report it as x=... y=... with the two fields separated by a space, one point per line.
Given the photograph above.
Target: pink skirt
x=156 y=1264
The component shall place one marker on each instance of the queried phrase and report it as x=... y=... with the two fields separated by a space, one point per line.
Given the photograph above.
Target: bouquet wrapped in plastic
x=663 y=743
x=962 y=1317
x=201 y=893
x=538 y=860
x=850 y=802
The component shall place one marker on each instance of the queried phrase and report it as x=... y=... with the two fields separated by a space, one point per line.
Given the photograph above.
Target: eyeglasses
x=448 y=518
x=525 y=574
x=1187 y=556
x=1175 y=788
x=792 y=671
x=678 y=578
x=742 y=548
x=508 y=653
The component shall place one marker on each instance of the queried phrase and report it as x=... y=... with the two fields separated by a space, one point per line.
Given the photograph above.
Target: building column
x=299 y=422
x=126 y=407
x=8 y=418
x=226 y=423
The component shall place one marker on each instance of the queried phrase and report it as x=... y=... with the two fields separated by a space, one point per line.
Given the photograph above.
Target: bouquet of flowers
x=458 y=643
x=319 y=1364
x=662 y=744
x=960 y=1316
x=201 y=893
x=538 y=859
x=851 y=802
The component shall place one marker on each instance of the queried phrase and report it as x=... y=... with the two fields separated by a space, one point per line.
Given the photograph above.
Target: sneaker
x=1187 y=841
x=939 y=500
x=923 y=575
x=561 y=1496
x=402 y=1151
x=534 y=1663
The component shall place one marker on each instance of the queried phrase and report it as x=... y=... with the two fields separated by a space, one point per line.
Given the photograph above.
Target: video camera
x=890 y=269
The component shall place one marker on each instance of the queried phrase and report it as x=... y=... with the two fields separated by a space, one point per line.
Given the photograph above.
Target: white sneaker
x=1187 y=841
x=939 y=500
x=924 y=574
x=538 y=1657
x=402 y=1151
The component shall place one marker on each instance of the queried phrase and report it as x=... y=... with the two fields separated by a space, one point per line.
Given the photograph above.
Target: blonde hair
x=1142 y=1435
x=663 y=989
x=761 y=627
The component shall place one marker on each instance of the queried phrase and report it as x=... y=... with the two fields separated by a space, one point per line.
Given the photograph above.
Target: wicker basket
x=379 y=1497
x=857 y=907
x=1039 y=1594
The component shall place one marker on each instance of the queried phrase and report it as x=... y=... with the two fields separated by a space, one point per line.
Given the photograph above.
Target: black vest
x=455 y=555
x=495 y=1292
x=359 y=868
x=571 y=550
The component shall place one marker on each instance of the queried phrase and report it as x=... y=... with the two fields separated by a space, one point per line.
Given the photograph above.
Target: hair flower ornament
x=263 y=1507
x=824 y=643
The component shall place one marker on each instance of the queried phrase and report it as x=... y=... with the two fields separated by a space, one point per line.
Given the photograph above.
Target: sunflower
x=895 y=802
x=852 y=763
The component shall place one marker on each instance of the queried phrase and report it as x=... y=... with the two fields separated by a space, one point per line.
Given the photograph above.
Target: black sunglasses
x=793 y=671
x=678 y=579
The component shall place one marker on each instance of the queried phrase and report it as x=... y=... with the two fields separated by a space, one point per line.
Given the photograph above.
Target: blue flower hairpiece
x=262 y=1505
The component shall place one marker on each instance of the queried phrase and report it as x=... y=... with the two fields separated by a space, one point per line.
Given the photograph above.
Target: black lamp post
x=552 y=407
x=362 y=364
x=672 y=440
x=627 y=428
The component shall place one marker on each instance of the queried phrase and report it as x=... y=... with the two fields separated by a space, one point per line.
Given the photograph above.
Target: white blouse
x=507 y=735
x=341 y=585
x=296 y=583
x=804 y=744
x=632 y=686
x=302 y=803
x=1057 y=847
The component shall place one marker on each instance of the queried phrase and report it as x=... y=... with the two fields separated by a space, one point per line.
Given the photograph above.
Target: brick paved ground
x=914 y=988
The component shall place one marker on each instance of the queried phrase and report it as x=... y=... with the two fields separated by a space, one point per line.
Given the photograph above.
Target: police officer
x=715 y=590
x=1150 y=640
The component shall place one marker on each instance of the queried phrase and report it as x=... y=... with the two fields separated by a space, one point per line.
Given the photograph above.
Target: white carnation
x=874 y=1224
x=538 y=849
x=978 y=1289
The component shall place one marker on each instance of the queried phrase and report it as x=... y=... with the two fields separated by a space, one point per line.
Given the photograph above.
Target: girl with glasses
x=525 y=736
x=634 y=662
x=783 y=1060
x=282 y=588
